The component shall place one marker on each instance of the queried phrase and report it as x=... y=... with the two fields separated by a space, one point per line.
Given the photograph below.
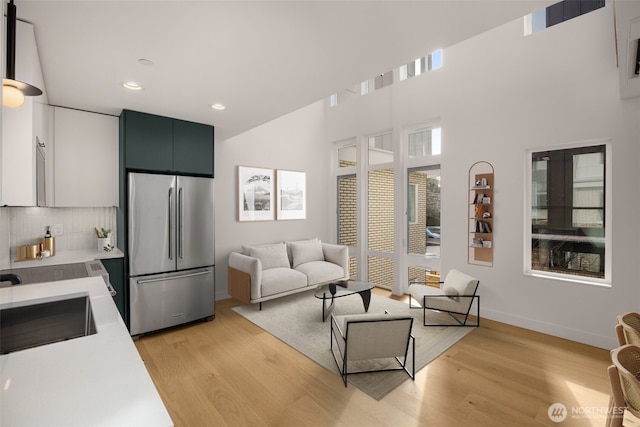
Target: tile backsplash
x=23 y=226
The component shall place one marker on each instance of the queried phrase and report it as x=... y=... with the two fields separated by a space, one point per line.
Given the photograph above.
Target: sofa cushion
x=246 y=248
x=315 y=239
x=277 y=280
x=306 y=251
x=271 y=256
x=319 y=272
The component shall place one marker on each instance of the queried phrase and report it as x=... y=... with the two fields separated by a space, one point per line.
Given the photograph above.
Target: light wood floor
x=229 y=372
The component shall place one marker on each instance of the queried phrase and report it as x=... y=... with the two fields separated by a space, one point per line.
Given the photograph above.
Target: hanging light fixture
x=14 y=91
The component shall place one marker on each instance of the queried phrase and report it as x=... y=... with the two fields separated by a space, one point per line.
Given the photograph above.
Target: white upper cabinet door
x=86 y=159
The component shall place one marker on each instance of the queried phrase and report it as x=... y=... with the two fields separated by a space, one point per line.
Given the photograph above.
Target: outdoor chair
x=456 y=296
x=628 y=329
x=625 y=387
x=372 y=343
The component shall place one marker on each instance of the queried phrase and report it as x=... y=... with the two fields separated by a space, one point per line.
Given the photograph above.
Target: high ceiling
x=262 y=59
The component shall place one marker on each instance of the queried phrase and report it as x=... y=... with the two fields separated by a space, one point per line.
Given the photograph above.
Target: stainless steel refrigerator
x=171 y=250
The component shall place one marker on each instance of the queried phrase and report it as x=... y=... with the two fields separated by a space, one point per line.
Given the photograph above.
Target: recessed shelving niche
x=481 y=220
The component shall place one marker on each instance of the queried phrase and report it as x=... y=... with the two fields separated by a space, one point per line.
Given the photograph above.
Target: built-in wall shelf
x=481 y=220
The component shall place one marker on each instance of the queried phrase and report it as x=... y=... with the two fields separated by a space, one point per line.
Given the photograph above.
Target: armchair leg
x=460 y=322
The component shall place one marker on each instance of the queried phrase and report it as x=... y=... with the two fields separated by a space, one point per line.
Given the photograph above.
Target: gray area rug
x=297 y=321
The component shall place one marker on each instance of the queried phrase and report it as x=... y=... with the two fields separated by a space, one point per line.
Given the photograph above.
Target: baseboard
x=584 y=337
x=223 y=294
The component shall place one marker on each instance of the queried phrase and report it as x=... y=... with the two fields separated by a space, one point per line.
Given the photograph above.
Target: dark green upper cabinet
x=192 y=147
x=148 y=141
x=162 y=144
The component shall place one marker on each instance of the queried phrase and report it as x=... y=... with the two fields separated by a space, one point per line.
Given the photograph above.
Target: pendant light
x=14 y=91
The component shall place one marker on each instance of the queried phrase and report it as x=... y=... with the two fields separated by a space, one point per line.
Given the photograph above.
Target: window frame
x=607 y=225
x=412 y=204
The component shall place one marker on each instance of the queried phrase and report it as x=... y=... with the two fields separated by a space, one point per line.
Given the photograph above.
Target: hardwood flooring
x=229 y=372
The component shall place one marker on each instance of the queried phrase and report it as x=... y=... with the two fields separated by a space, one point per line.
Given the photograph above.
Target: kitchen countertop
x=68 y=257
x=97 y=380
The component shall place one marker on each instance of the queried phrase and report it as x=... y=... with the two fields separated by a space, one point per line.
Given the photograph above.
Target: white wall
x=293 y=142
x=498 y=95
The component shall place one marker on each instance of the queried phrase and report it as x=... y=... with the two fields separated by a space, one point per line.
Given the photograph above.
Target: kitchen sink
x=42 y=323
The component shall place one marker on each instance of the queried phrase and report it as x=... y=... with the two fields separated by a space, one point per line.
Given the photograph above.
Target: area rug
x=297 y=321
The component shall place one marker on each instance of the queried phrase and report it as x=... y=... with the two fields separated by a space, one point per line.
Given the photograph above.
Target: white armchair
x=456 y=296
x=361 y=337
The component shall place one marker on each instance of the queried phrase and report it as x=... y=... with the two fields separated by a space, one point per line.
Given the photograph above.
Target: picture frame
x=255 y=194
x=292 y=195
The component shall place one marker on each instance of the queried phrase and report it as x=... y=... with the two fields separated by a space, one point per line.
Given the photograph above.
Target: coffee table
x=331 y=291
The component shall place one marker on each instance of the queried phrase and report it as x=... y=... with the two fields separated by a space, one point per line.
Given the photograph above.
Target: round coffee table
x=331 y=291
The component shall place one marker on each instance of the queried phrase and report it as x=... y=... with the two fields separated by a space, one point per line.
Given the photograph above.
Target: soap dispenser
x=48 y=242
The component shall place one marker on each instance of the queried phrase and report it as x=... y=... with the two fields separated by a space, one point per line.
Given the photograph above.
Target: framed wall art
x=255 y=194
x=292 y=195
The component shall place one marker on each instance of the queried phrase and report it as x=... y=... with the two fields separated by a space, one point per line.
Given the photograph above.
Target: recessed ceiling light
x=218 y=106
x=144 y=61
x=132 y=86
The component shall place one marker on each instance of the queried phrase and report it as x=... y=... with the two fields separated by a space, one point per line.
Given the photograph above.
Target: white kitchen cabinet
x=85 y=159
x=18 y=156
x=43 y=129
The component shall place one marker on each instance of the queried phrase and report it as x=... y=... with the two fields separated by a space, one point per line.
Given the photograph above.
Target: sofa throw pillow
x=271 y=256
x=307 y=251
x=315 y=239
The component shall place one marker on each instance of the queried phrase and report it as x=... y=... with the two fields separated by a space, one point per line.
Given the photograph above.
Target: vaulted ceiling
x=262 y=59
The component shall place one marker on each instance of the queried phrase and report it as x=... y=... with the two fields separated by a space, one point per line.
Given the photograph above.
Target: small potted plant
x=104 y=240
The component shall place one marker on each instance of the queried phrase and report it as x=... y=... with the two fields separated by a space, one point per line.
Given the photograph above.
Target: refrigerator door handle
x=170 y=216
x=164 y=279
x=180 y=223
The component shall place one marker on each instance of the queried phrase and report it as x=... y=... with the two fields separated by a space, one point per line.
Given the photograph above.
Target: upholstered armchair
x=456 y=296
x=362 y=337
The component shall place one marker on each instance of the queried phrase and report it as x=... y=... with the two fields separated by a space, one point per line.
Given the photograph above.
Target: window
x=423 y=211
x=333 y=100
x=347 y=156
x=412 y=204
x=348 y=216
x=558 y=13
x=435 y=60
x=364 y=87
x=423 y=143
x=380 y=149
x=348 y=210
x=383 y=80
x=568 y=213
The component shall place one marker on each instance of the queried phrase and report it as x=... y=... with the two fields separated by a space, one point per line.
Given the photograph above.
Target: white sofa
x=264 y=272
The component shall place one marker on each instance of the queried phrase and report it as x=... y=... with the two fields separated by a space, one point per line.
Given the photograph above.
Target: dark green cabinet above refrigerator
x=162 y=144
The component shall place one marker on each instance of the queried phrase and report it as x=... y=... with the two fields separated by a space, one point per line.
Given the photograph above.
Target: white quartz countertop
x=97 y=380
x=68 y=257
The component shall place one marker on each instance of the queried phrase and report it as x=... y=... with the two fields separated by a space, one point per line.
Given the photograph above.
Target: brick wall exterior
x=380 y=271
x=381 y=206
x=348 y=210
x=381 y=223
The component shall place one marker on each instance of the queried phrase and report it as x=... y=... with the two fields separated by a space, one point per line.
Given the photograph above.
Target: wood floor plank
x=229 y=372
